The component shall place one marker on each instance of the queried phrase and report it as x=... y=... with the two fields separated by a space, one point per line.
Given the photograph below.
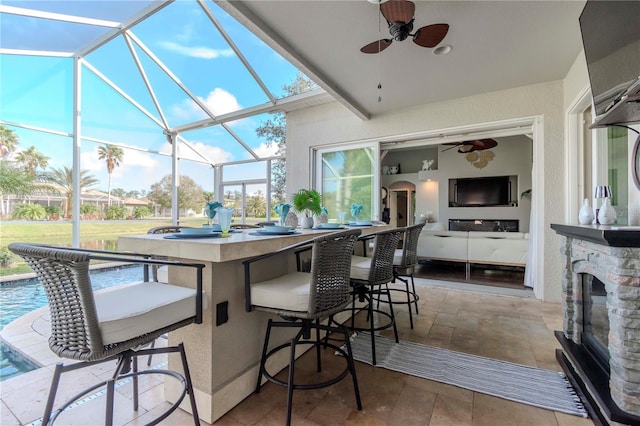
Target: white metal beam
x=285 y=104
x=132 y=21
x=247 y=18
x=41 y=14
x=237 y=51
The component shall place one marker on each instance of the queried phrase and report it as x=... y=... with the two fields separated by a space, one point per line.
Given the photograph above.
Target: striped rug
x=515 y=382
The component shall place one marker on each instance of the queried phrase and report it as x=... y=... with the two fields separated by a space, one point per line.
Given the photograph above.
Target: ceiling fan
x=474 y=145
x=399 y=16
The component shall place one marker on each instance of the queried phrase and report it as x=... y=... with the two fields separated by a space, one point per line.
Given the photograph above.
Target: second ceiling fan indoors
x=400 y=16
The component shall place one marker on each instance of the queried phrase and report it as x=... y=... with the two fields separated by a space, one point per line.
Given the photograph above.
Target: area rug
x=515 y=382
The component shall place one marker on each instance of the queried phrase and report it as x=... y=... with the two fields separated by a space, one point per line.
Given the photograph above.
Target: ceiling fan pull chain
x=379 y=56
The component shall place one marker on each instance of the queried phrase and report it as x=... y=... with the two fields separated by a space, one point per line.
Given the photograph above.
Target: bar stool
x=404 y=262
x=369 y=277
x=111 y=324
x=302 y=299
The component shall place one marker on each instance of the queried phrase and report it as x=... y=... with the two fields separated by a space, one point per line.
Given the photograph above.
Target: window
x=613 y=168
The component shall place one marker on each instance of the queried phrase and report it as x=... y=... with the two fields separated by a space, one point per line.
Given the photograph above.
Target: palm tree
x=14 y=180
x=64 y=177
x=8 y=141
x=31 y=160
x=113 y=155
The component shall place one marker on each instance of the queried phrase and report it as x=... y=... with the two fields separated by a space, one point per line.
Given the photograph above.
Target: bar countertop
x=238 y=245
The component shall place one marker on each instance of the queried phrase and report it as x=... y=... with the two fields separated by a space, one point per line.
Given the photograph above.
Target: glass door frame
x=318 y=152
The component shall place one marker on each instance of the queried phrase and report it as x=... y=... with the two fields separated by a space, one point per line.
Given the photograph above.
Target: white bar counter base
x=223 y=359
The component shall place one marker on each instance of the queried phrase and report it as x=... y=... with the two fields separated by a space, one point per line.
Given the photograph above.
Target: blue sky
x=37 y=91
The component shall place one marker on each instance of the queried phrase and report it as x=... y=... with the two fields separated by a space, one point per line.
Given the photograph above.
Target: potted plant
x=307 y=203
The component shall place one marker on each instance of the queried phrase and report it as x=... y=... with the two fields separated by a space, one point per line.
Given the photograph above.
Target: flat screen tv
x=611 y=40
x=482 y=191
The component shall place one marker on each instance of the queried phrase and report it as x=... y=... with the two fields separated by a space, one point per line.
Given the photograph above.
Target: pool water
x=20 y=297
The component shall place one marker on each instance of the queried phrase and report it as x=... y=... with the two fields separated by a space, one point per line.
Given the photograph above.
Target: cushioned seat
x=129 y=311
x=293 y=286
x=360 y=266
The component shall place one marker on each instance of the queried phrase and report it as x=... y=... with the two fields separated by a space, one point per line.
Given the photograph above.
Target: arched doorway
x=402 y=203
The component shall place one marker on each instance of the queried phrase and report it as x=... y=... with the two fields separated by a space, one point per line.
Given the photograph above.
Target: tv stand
x=485 y=225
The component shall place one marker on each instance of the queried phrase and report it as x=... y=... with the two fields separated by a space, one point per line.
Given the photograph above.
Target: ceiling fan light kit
x=442 y=50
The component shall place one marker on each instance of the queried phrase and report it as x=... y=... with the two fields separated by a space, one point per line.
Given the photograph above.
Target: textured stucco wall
x=332 y=123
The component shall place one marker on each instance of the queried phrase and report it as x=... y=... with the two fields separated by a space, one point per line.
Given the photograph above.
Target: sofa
x=474 y=247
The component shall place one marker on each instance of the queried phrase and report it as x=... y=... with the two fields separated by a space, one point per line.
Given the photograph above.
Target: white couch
x=493 y=248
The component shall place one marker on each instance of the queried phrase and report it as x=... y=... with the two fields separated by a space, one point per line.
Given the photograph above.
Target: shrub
x=115 y=213
x=6 y=257
x=53 y=212
x=141 y=212
x=29 y=211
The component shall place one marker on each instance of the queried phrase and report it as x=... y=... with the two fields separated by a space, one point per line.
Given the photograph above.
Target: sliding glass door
x=348 y=175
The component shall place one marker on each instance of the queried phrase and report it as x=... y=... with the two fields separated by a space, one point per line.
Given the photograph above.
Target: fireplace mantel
x=614 y=236
x=612 y=255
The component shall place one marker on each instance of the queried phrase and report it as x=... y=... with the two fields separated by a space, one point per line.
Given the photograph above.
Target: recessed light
x=442 y=50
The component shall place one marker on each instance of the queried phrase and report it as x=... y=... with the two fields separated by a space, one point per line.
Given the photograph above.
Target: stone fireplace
x=601 y=319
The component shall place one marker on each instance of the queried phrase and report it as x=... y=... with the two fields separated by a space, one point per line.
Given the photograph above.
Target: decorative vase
x=291 y=220
x=586 y=217
x=306 y=222
x=321 y=218
x=225 y=216
x=607 y=214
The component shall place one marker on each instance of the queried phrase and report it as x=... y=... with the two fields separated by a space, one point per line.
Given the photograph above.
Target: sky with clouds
x=38 y=92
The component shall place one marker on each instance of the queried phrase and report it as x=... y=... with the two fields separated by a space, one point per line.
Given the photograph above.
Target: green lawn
x=94 y=234
x=97 y=234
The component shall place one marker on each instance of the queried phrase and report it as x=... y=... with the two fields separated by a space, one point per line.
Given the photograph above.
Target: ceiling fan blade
x=430 y=35
x=453 y=145
x=485 y=144
x=376 y=46
x=398 y=11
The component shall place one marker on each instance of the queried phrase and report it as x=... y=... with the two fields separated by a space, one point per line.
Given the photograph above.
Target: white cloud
x=196 y=51
x=213 y=153
x=266 y=150
x=219 y=101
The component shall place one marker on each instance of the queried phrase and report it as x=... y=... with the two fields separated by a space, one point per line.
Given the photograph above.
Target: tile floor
x=500 y=323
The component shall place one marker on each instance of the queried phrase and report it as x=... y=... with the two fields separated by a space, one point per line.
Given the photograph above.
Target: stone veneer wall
x=619 y=270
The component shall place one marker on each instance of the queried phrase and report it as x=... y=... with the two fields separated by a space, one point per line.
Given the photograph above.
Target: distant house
x=53 y=194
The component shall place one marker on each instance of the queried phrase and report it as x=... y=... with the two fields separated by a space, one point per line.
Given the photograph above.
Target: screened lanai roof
x=148 y=69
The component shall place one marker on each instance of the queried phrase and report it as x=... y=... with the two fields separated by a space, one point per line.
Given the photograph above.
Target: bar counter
x=224 y=353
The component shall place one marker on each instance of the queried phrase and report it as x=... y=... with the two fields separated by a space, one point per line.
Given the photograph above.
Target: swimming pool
x=20 y=297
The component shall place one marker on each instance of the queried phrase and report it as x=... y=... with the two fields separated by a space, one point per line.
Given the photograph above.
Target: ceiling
x=495 y=45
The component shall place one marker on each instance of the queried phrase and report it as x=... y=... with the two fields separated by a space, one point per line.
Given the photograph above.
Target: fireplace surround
x=601 y=356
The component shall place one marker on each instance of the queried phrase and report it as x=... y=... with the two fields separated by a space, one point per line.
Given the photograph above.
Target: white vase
x=306 y=222
x=585 y=217
x=607 y=214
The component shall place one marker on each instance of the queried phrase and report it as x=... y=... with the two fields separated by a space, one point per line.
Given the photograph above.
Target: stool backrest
x=385 y=245
x=330 y=270
x=166 y=229
x=64 y=274
x=410 y=245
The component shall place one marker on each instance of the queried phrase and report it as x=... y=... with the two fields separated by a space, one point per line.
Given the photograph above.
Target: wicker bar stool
x=302 y=299
x=404 y=263
x=369 y=277
x=111 y=324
